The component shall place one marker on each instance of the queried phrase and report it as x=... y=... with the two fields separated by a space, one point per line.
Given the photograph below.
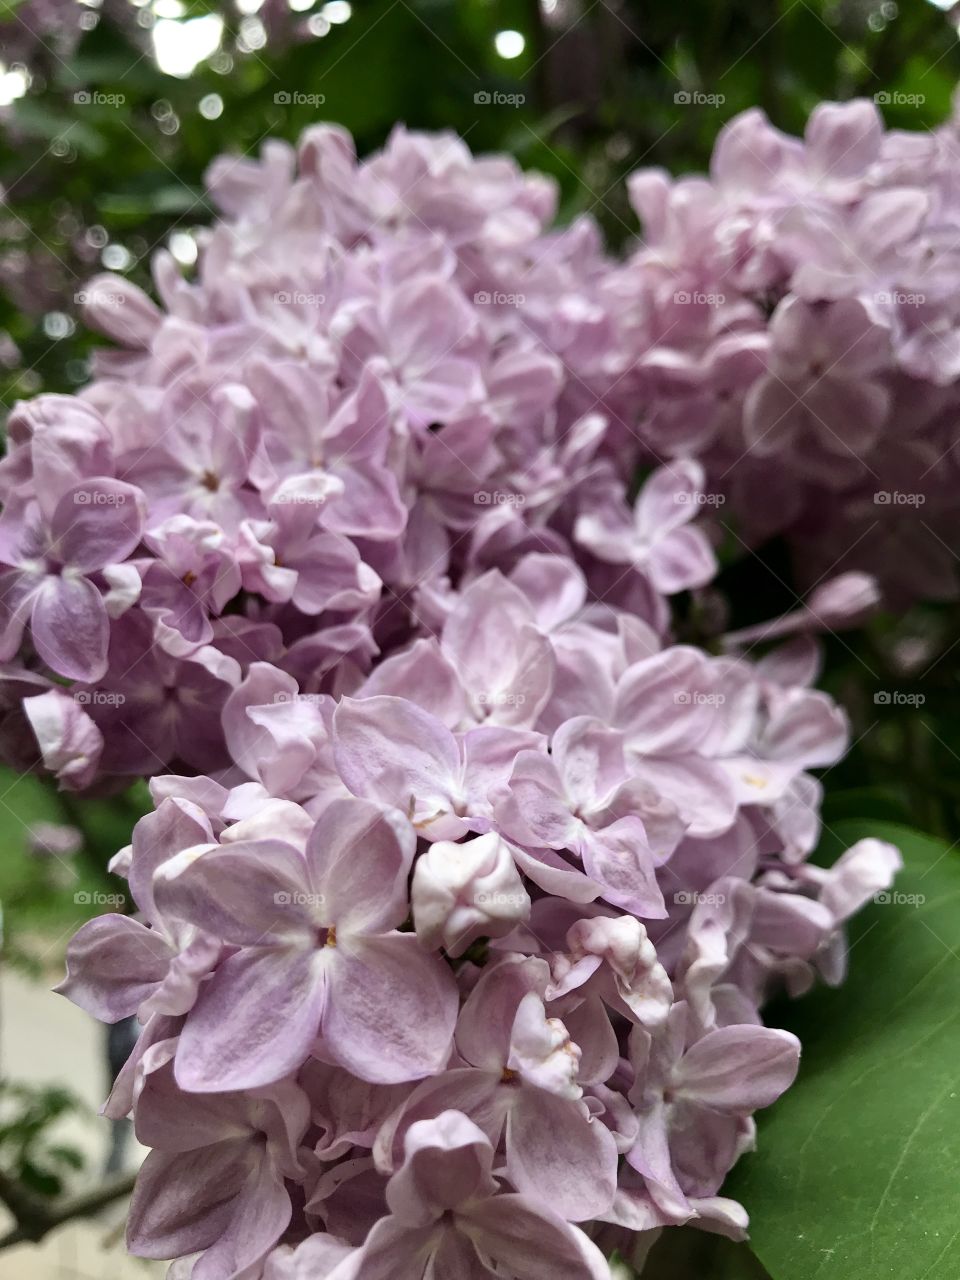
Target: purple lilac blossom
x=466 y=883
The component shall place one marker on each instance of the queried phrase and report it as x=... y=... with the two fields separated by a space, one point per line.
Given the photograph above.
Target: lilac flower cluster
x=351 y=413
x=465 y=883
x=792 y=321
x=465 y=969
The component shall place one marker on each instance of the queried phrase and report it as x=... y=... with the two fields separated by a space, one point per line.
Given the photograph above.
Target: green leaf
x=857 y=1166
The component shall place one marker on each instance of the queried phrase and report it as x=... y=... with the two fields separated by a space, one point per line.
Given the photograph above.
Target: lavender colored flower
x=466 y=883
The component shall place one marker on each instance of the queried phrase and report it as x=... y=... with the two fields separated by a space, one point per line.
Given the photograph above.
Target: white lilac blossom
x=466 y=883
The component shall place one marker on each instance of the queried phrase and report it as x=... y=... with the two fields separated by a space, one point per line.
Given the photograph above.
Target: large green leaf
x=858 y=1168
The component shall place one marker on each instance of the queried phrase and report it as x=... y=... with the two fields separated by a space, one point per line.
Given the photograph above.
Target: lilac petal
x=69 y=439
x=668 y=499
x=183 y=1202
x=261 y=1214
x=70 y=627
x=701 y=790
x=118 y=308
x=69 y=741
x=17 y=591
x=96 y=523
x=487 y=1018
x=254 y=893
x=370 y=506
x=560 y=1157
x=448 y=1160
x=619 y=859
x=456 y=1258
x=865 y=869
x=590 y=1028
x=476 y=1094
x=533 y=809
x=531 y=1241
x=254 y=1021
x=174 y=825
x=317 y=1256
x=388 y=749
x=658 y=706
x=359 y=858
x=172 y=1120
x=389 y=1251
x=391 y=1010
x=424 y=676
x=681 y=562
x=843 y=138
x=737 y=1070
x=113 y=964
x=555 y=587
x=650 y=1156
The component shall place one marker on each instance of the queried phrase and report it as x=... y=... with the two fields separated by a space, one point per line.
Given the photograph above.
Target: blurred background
x=110 y=112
